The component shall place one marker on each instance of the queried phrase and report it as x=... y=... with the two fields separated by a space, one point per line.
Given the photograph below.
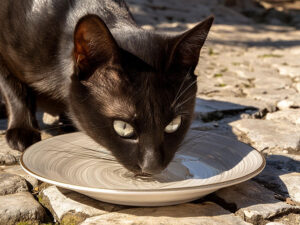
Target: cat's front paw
x=21 y=138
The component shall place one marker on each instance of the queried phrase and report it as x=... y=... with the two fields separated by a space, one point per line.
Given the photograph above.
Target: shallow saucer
x=205 y=163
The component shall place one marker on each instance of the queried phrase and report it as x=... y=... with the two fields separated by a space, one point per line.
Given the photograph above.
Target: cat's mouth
x=139 y=176
x=142 y=175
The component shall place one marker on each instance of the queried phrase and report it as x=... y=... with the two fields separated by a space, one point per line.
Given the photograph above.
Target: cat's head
x=139 y=112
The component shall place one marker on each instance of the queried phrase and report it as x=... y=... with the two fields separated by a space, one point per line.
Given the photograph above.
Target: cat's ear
x=93 y=43
x=185 y=48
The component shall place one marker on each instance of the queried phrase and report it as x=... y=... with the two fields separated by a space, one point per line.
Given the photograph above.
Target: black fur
x=89 y=59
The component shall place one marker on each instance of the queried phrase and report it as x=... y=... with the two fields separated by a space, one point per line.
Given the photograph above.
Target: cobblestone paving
x=248 y=89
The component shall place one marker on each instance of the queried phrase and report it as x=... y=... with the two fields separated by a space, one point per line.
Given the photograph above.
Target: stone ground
x=249 y=89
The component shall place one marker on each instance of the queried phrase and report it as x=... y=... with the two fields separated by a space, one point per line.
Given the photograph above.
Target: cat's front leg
x=20 y=105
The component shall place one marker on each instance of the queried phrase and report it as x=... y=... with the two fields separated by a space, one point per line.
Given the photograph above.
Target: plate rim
x=120 y=191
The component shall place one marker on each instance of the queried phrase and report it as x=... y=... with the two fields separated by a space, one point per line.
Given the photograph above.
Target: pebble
x=49 y=119
x=284 y=104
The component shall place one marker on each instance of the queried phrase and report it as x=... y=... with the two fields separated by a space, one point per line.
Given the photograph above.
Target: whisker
x=185 y=101
x=181 y=85
x=187 y=88
x=184 y=113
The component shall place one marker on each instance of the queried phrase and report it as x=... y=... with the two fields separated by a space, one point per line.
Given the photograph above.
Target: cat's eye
x=174 y=125
x=123 y=129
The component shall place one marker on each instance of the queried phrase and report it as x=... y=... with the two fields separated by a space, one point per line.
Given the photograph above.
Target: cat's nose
x=151 y=163
x=151 y=169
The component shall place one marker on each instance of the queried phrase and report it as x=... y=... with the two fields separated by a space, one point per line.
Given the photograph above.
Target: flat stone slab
x=207 y=213
x=282 y=175
x=292 y=183
x=263 y=134
x=273 y=95
x=291 y=115
x=10 y=184
x=20 y=207
x=254 y=203
x=67 y=206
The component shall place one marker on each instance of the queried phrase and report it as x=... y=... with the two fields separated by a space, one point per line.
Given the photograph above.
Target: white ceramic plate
x=205 y=163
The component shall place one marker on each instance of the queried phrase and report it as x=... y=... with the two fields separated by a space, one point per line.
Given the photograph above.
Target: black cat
x=133 y=91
